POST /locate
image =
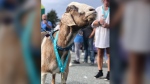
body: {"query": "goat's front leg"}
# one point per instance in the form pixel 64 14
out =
pixel 65 74
pixel 43 77
pixel 63 78
pixel 53 78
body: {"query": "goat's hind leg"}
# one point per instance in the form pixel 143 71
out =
pixel 43 77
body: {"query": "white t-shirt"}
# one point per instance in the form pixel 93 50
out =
pixel 101 34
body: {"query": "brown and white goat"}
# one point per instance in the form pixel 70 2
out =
pixel 77 16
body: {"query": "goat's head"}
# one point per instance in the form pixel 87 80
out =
pixel 78 14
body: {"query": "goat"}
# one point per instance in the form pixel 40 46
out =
pixel 77 16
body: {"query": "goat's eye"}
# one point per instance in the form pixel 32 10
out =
pixel 91 9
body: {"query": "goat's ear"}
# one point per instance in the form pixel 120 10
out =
pixel 67 19
pixel 70 8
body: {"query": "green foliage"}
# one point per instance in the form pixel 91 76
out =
pixel 52 16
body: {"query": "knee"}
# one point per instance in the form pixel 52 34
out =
pixel 108 55
pixel 100 55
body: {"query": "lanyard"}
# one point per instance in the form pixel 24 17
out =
pixel 24 35
pixel 61 66
pixel 105 13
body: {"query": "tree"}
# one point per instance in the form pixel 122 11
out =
pixel 52 16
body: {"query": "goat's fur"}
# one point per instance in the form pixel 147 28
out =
pixel 12 64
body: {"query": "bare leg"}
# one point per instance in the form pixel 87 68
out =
pixel 108 61
pixel 53 78
pixel 136 68
pixel 100 63
pixel 100 58
pixel 43 77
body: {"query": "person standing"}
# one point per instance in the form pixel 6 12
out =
pixel 45 24
pixel 78 43
pixel 88 37
pixel 102 36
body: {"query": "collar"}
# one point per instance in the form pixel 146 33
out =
pixel 58 47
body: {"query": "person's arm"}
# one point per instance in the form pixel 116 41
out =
pixel 118 15
pixel 97 22
pixel 49 25
pixel 92 34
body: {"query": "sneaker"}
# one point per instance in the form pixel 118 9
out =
pixel 107 76
pixel 70 64
pixel 76 62
pixel 99 74
pixel 91 64
pixel 85 62
pixel 82 54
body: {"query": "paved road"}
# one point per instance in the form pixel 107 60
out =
pixel 81 74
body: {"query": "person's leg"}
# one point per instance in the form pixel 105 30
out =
pixel 77 51
pixel 100 54
pixel 73 47
pixel 108 63
pixel 136 68
pixel 91 50
pixel 100 58
pixel 85 51
pixel 108 60
pixel 82 47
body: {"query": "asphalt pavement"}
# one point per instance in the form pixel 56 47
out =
pixel 81 74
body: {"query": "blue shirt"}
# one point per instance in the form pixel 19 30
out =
pixel 44 27
pixel 78 39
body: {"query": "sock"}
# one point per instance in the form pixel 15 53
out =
pixel 100 70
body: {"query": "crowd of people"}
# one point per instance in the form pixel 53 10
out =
pixel 93 39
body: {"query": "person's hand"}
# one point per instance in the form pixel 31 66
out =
pixel 105 25
pixel 90 36
pixel 102 21
pixel 45 21
pixel 96 23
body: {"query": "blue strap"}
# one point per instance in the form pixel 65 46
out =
pixel 61 66
pixel 25 40
pixel 105 13
pixel 58 47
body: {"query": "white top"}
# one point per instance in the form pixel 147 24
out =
pixel 101 34
pixel 136 30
